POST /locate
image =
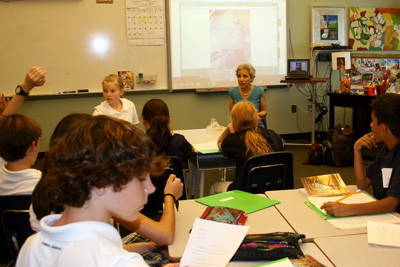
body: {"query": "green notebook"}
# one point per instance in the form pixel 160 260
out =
pixel 238 200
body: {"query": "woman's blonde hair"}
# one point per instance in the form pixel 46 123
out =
pixel 245 119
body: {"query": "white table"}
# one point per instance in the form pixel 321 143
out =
pixel 205 139
pixel 303 219
pixel 354 250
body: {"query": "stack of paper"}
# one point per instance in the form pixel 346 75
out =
pixel 385 234
pixel 350 222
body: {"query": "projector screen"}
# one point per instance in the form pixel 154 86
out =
pixel 208 39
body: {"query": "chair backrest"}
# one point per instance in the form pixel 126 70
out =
pixel 155 201
pixel 16 202
pixel 16 227
pixel 272 171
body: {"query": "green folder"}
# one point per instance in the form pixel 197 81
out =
pixel 272 262
pixel 238 200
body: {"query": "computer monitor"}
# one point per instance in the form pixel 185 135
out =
pixel 298 66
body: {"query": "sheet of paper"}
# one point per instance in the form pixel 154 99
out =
pixel 201 147
pixel 362 221
pixel 357 198
pixel 145 22
pixel 212 243
pixel 385 234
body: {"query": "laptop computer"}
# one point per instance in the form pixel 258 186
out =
pixel 298 69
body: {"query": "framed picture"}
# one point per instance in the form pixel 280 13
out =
pixel 374 29
pixel 328 25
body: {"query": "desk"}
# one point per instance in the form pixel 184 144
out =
pixel 361 111
pixel 354 250
pixel 210 161
pixel 313 81
pixel 262 221
pixel 303 219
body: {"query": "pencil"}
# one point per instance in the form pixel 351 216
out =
pixel 355 192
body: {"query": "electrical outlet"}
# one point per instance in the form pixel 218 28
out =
pixel 294 108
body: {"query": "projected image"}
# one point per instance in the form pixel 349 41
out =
pixel 329 27
pixel 229 38
pixel 210 38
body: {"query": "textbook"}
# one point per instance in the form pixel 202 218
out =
pixel 324 185
pixel 225 215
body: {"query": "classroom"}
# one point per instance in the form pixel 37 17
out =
pixel 17 58
pixel 59 36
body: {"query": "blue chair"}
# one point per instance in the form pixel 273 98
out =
pixel 272 171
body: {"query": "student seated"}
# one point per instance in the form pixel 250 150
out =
pixel 159 234
pixel 244 138
pixel 384 172
pixel 156 120
pixel 114 105
pixel 100 169
pixel 19 148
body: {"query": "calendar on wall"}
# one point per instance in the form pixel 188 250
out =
pixel 145 22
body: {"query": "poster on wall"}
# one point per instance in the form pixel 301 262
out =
pixel 328 25
pixel 374 29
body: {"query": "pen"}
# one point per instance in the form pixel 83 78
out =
pixel 355 192
pixel 176 200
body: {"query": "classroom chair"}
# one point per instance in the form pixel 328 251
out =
pixel 154 206
pixel 272 171
pixel 16 202
pixel 16 227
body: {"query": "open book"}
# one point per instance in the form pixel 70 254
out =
pixel 324 185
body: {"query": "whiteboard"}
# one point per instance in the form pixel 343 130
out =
pixel 60 36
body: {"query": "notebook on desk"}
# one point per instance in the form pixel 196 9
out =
pixel 298 69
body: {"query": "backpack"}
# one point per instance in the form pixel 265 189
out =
pixel 337 147
pixel 315 155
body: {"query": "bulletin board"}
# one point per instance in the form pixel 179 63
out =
pixel 368 68
pixel 78 42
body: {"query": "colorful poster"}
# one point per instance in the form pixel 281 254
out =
pixel 374 29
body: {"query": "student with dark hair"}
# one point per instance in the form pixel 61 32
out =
pixel 384 172
pixel 98 170
pixel 160 233
pixel 156 120
pixel 19 148
pixel 41 206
